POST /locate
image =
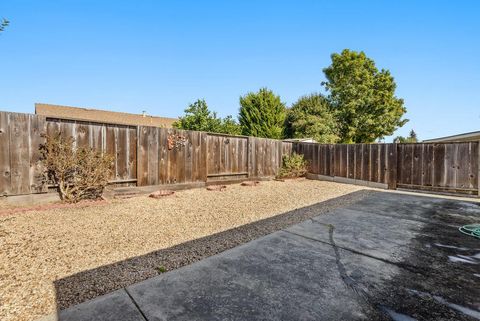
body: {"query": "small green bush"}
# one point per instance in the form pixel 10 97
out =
pixel 293 166
pixel 161 269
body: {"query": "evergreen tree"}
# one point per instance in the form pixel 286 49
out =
pixel 262 114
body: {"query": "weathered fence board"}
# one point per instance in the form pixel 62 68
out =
pixel 20 165
pixel 231 157
pixel 227 156
pixel 450 167
pixel 170 156
pixel 265 156
pixel 4 155
pixel 38 127
pixel 19 128
pixel 439 166
pixel 367 162
pixel 111 139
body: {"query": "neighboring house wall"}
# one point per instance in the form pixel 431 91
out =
pixel 466 137
pixel 101 116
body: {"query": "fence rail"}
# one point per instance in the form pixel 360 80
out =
pixel 153 156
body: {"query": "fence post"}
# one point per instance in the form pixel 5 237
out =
pixel 333 159
pixel 392 164
pixel 478 169
pixel 249 156
pixel 137 156
pixel 204 139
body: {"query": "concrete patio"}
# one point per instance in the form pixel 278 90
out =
pixel 389 256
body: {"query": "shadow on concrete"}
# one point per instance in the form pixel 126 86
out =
pixel 436 271
pixel 92 283
pixel 401 257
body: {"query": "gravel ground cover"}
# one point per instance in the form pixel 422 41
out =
pixel 59 257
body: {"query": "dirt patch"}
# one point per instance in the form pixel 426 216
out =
pixel 42 250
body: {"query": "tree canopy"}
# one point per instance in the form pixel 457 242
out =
pixel 311 117
pixel 411 138
pixel 362 98
pixel 199 117
pixel 360 107
pixel 262 114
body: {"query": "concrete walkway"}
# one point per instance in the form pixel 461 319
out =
pixel 389 256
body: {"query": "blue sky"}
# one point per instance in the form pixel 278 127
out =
pixel 159 56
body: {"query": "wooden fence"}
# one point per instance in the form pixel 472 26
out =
pixel 445 167
pixel 117 140
pixel 183 161
pixel 442 167
pixel 143 155
pixel 155 156
pixel 20 166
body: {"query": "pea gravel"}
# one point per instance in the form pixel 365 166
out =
pixel 53 259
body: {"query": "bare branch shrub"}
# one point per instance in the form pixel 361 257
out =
pixel 293 166
pixel 79 173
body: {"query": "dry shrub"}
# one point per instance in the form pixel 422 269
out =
pixel 293 166
pixel 79 173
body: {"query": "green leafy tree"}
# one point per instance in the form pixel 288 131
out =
pixel 411 138
pixel 229 126
pixel 4 23
pixel 362 97
pixel 262 114
pixel 199 117
pixel 311 117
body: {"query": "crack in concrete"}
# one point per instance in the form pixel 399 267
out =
pixel 350 282
pixel 136 304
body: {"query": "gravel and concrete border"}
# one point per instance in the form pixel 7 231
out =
pixel 57 258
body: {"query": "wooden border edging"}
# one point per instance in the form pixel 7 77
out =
pixel 228 174
pixel 345 180
pixel 152 188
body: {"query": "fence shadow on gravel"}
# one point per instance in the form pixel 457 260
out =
pixel 89 284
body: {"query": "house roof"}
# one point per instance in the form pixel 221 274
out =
pixel 101 116
pixel 471 136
